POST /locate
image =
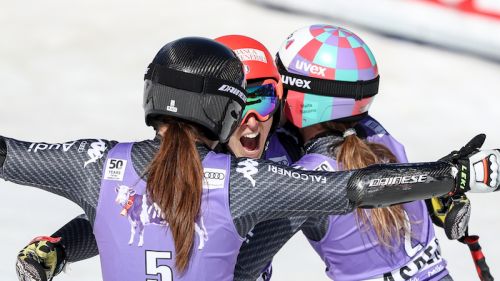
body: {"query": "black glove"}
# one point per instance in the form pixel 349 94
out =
pixel 41 260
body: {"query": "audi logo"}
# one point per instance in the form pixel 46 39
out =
pixel 214 175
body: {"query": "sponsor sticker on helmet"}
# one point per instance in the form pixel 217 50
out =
pixel 311 68
pixel 310 112
pixel 213 178
pixel 234 91
pixel 172 107
pixel 251 54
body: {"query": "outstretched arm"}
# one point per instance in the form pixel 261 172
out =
pixel 71 169
pixel 77 239
pixel 45 257
pixel 262 190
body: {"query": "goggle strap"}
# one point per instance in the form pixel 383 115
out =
pixel 195 83
pixel 332 88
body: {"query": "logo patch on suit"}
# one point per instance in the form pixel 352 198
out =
pixel 115 169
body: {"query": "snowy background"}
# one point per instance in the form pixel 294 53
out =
pixel 74 69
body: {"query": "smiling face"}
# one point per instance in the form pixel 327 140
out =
pixel 250 137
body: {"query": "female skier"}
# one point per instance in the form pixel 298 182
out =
pixel 330 78
pixel 391 243
pixel 197 213
pixel 75 241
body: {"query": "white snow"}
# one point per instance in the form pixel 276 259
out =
pixel 74 69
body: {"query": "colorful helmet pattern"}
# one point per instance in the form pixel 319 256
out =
pixel 330 74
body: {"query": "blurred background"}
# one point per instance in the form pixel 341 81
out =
pixel 74 69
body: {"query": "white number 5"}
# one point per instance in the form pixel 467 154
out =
pixel 163 272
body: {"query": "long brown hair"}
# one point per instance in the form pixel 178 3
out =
pixel 390 223
pixel 174 183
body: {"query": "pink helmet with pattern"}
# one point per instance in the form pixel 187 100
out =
pixel 329 73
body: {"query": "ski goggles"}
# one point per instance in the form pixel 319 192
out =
pixel 262 101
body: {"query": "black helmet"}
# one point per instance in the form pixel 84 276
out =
pixel 197 80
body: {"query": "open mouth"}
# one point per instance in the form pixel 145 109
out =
pixel 251 141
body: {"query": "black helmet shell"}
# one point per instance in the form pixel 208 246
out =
pixel 198 80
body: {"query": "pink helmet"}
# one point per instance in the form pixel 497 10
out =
pixel 329 74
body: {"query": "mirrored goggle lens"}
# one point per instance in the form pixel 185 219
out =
pixel 262 100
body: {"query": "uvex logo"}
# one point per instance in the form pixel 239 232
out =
pixel 292 81
pixel 311 68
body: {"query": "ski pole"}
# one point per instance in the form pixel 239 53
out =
pixel 477 255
